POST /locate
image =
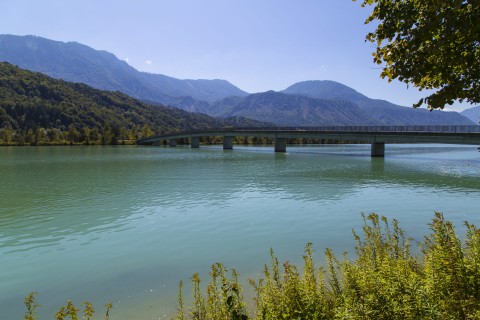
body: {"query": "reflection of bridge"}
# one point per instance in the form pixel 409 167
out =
pixel 376 136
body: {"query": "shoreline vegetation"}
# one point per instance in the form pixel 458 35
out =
pixel 87 136
pixel 391 277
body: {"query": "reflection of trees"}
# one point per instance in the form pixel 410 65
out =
pixel 57 192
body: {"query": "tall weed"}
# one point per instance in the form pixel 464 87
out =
pixel 386 279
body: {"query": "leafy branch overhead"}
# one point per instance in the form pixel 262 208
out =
pixel 431 44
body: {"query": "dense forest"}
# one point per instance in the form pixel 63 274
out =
pixel 36 109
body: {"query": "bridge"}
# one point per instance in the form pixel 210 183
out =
pixel 377 136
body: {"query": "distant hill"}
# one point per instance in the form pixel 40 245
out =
pixel 292 110
pixel 76 62
pixel 317 103
pixel 383 111
pixel 33 104
pixel 472 114
pixel 329 102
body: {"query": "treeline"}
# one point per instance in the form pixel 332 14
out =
pixel 87 136
pixel 239 140
pixel 36 109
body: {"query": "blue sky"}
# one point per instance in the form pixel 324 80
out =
pixel 257 45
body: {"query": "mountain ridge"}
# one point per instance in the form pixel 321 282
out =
pixel 385 112
pixel 75 62
pixel 292 110
pixel 472 114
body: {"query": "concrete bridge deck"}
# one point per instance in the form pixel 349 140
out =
pixel 377 136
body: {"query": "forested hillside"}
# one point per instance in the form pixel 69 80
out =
pixel 37 109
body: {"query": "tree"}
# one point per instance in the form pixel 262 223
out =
pixel 107 135
pixel 85 135
pixel 94 135
pixel 146 131
pixel 40 135
pixel 73 134
pixel 6 136
pixel 30 137
pixel 54 135
pixel 431 44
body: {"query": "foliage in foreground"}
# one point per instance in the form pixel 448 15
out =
pixel 68 311
pixel 386 280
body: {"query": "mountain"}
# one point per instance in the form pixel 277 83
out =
pixel 76 62
pixel 33 105
pixel 292 110
pixel 472 114
pixel 318 103
pixel 383 111
pixel 189 104
pixel 329 102
pixel 325 89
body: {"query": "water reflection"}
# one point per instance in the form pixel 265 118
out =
pixel 108 219
pixel 52 194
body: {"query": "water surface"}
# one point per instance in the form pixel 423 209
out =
pixel 125 224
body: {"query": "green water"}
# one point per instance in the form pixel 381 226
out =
pixel 125 224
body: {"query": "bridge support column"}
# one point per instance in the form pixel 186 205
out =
pixel 227 143
pixel 195 142
pixel 378 149
pixel 280 145
pixel 172 142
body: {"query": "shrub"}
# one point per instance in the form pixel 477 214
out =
pixel 387 279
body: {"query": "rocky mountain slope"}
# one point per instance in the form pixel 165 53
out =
pixel 293 110
pixel 76 62
pixel 383 111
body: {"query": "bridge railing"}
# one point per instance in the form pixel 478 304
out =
pixel 439 129
pixel 326 129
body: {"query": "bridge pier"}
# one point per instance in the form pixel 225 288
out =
pixel 227 143
pixel 378 149
pixel 280 145
pixel 195 142
pixel 172 142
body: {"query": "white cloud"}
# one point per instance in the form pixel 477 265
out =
pixel 148 62
pixel 126 60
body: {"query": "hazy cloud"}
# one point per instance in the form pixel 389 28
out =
pixel 148 62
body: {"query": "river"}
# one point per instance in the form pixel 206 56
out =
pixel 125 224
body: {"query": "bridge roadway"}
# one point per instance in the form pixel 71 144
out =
pixel 377 136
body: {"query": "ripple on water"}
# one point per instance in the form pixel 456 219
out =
pixel 118 222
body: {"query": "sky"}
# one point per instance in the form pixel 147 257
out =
pixel 257 45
